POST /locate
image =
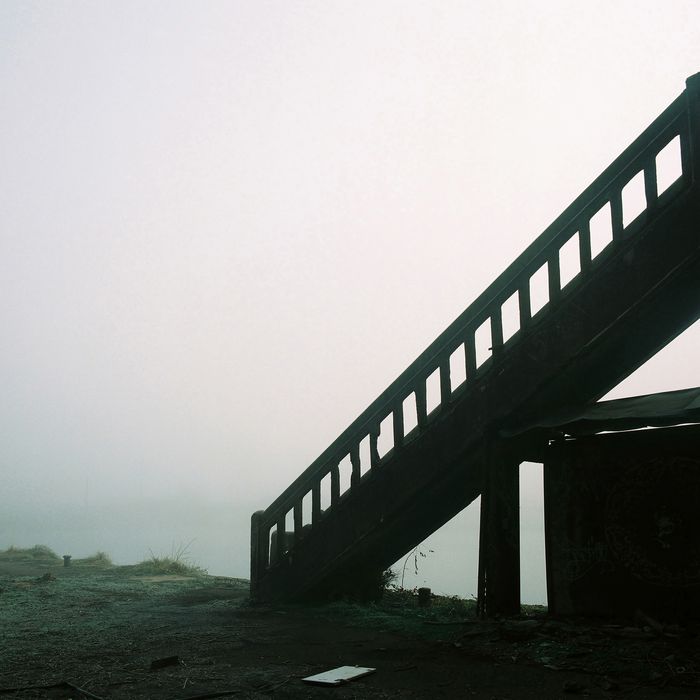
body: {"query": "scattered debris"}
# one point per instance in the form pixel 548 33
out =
pixel 647 622
pixel 215 694
pixel 447 622
pixel 406 667
pixel 166 661
pixel 338 676
pixel 629 632
pixel 519 630
pixel 81 692
pixel 573 687
pixel 609 685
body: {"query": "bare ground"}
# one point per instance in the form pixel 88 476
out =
pixel 96 632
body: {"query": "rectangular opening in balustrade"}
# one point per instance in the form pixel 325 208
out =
pixel 410 414
pixel 634 199
pixel 569 260
pixel 432 391
pixel 385 442
pixel 306 509
pixel 326 492
pixel 668 165
pixel 458 367
pixel 539 290
pixel 272 544
pixel 365 455
pixel 510 315
pixel 345 471
pixel 289 530
pixel 287 535
pixel 482 341
pixel 601 230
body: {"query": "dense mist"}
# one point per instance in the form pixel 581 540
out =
pixel 225 228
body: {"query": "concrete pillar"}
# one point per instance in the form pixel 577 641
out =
pixel 499 545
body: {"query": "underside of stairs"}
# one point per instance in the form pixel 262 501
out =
pixel 627 301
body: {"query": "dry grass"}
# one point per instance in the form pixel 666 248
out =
pixel 177 563
pixel 164 566
pixel 98 559
pixel 37 553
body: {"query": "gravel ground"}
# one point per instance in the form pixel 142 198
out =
pixel 106 632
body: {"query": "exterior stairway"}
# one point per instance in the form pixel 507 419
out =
pixel 628 300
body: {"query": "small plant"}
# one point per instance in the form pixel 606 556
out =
pixel 388 579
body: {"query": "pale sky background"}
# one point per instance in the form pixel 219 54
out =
pixel 226 227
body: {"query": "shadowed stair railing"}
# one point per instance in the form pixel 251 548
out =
pixel 631 255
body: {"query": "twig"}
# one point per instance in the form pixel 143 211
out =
pixel 215 694
pixel 272 688
pixel 81 691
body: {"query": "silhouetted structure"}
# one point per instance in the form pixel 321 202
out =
pixel 622 523
pixel 628 300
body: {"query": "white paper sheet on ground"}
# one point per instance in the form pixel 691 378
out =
pixel 339 675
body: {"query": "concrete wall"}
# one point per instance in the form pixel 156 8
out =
pixel 622 522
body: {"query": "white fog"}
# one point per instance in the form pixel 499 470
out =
pixel 226 227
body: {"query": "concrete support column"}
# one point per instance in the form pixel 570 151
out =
pixel 499 545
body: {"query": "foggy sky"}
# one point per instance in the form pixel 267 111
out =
pixel 226 227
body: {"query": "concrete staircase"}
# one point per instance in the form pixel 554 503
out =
pixel 629 298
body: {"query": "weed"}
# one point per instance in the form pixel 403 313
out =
pixel 414 554
pixel 388 579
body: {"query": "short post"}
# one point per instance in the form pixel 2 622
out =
pixel 424 599
pixel 66 559
pixel 259 552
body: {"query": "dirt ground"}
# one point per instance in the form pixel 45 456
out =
pixel 82 632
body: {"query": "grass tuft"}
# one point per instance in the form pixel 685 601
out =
pixel 166 566
pixel 39 552
pixel 176 564
pixel 98 559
